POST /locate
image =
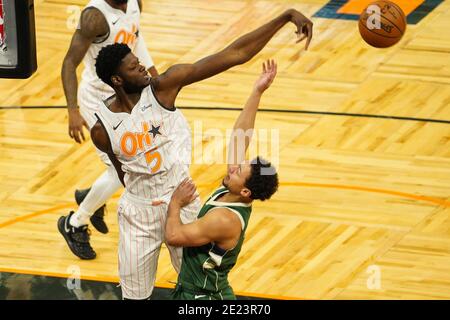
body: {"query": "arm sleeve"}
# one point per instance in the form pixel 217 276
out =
pixel 142 53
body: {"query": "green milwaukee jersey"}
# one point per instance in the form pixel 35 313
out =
pixel 204 270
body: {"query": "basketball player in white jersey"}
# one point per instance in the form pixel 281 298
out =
pixel 102 22
pixel 148 140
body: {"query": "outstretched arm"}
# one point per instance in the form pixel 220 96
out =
pixel 243 127
pixel 240 51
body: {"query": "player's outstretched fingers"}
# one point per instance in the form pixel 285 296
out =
pixel 82 134
pixel 309 28
pixel 76 135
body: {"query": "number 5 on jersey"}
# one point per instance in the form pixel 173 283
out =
pixel 151 156
pixel 131 142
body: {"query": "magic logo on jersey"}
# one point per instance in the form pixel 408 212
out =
pixel 415 10
pixel 134 143
pixel 127 37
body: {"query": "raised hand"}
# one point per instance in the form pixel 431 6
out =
pixel 304 27
pixel 267 76
pixel 76 124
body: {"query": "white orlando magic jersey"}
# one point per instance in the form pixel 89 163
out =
pixel 123 28
pixel 153 144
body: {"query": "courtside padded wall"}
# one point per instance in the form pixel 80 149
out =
pixel 26 42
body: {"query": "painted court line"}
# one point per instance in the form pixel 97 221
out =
pixel 434 200
pixel 298 111
pixel 441 202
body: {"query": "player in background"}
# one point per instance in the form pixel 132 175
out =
pixel 102 22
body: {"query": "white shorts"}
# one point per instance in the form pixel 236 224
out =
pixel 141 234
pixel 90 99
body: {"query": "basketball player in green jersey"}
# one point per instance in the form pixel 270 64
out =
pixel 212 243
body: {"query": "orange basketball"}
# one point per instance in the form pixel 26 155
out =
pixel 382 24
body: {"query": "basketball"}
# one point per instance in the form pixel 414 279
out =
pixel 382 24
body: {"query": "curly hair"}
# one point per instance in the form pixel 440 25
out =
pixel 263 180
pixel 109 59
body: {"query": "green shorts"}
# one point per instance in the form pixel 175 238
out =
pixel 187 292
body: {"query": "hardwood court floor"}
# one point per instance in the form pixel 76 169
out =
pixel 356 191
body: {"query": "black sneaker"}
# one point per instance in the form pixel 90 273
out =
pixel 77 238
pixel 97 218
